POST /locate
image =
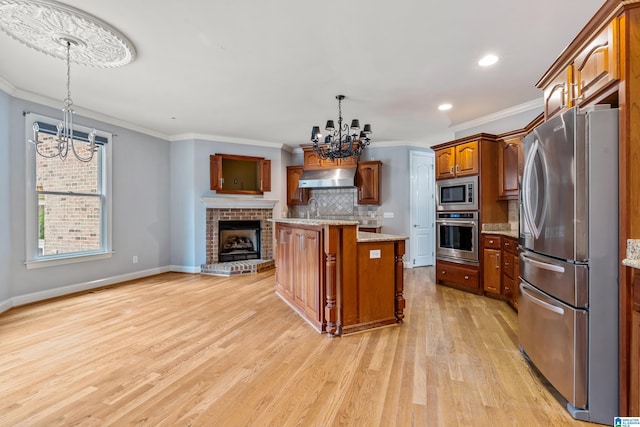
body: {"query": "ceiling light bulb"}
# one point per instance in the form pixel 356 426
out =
pixel 488 60
pixel 445 107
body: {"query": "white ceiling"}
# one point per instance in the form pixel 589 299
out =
pixel 269 70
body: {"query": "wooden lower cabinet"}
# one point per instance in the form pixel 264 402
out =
pixel 634 372
pixel 338 282
pixel 298 270
pixel 500 266
pixel 634 351
pixel 461 276
pixel 492 276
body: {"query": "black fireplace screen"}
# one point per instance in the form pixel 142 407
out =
pixel 238 240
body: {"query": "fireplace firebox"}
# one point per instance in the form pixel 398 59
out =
pixel 238 240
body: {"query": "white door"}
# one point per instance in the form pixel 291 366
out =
pixel 422 236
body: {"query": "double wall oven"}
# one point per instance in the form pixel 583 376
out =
pixel 457 220
pixel 457 236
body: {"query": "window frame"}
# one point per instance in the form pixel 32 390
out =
pixel 32 226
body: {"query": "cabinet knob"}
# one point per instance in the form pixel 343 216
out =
pixel 444 272
pixel 466 277
pixel 491 242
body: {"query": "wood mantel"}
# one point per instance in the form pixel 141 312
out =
pixel 340 281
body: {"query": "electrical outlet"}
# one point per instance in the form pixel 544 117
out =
pixel 387 215
pixel 135 259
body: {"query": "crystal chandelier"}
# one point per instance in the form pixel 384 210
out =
pixel 343 141
pixel 64 135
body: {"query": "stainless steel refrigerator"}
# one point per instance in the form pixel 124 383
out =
pixel 568 306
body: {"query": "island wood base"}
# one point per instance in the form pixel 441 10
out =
pixel 338 280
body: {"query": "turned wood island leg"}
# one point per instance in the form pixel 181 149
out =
pixel 399 281
pixel 331 237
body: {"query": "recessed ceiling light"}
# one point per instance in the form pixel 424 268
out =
pixel 445 107
pixel 488 60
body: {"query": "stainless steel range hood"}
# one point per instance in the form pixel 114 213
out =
pixel 328 178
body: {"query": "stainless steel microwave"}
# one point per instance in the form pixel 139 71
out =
pixel 457 194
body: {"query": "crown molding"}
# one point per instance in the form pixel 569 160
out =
pixel 228 139
pixel 527 106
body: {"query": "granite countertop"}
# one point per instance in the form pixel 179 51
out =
pixel 364 237
pixel 502 229
pixel 508 233
pixel 314 221
pixel 633 254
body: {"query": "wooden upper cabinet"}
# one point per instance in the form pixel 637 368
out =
pixel 467 159
pixel 445 163
pixel 368 182
pixel 597 64
pixel 557 94
pixel 232 174
pixel 295 194
pixel 313 161
pixel 508 156
pixel 458 160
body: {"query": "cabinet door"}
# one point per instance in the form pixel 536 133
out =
pixel 467 159
pixel 310 266
pixel 445 163
pixel 597 64
pixel 264 174
pixel 492 271
pixel 215 172
pixel 634 371
pixel 557 96
pixel 515 296
pixel 508 169
pixel 284 266
pixel 295 194
pixel 368 183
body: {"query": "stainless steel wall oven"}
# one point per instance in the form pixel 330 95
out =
pixel 457 236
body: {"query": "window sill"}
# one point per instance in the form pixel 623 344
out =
pixel 70 259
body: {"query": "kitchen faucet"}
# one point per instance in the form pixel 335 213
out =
pixel 309 210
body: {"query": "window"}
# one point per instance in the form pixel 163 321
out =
pixel 68 201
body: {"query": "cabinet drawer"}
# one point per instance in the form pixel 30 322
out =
pixel 491 242
pixel 457 274
pixel 507 286
pixel 507 265
pixel 510 245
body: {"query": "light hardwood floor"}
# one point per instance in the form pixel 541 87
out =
pixel 194 350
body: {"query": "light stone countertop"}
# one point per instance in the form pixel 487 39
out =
pixel 314 221
pixel 364 237
pixel 502 229
pixel 509 233
pixel 633 254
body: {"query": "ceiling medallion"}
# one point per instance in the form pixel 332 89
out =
pixel 47 26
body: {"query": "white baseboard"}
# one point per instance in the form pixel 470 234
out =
pixel 79 287
pixel 5 305
pixel 184 269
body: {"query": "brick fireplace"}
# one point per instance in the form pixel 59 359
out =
pixel 238 209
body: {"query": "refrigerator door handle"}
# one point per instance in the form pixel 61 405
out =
pixel 543 265
pixel 535 300
pixel 526 184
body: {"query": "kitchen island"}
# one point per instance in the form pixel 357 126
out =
pixel 338 279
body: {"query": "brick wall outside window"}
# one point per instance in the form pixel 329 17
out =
pixel 71 221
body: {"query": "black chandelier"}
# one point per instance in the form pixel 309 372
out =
pixel 345 141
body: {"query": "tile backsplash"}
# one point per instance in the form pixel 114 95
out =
pixel 337 203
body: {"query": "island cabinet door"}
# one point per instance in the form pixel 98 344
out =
pixel 307 269
pixel 284 264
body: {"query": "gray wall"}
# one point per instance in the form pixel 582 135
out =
pixel 190 182
pixel 141 216
pixel 5 205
